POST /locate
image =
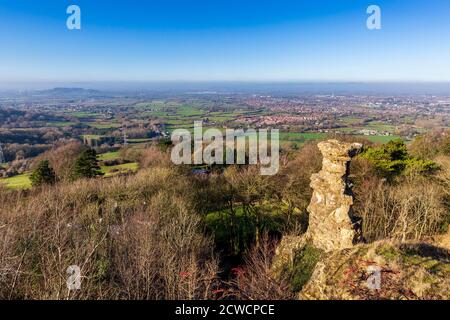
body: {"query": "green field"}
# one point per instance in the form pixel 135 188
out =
pixel 83 114
pixel 103 125
pixel 139 140
pixel 21 181
pixel 60 124
pixel 110 171
pixel 300 138
pixel 351 120
pixel 293 136
pixel 189 111
pixel 380 126
pixel 91 136
pixel 108 156
pixel 380 139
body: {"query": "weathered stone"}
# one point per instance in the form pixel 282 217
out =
pixel 331 223
pixel 410 271
pixel 345 270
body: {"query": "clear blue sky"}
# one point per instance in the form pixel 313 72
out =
pixel 225 40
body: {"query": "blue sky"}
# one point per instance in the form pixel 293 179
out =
pixel 236 40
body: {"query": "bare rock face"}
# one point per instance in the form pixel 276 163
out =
pixel 331 224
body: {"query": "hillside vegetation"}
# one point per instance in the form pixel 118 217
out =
pixel 165 232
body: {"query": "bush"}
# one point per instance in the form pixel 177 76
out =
pixel 296 176
pixel 234 232
pixel 153 156
pixel 431 145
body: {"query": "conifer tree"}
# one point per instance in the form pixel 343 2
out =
pixel 43 174
pixel 86 166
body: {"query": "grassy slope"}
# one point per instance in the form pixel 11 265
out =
pixel 121 168
pixel 21 181
pixel 108 156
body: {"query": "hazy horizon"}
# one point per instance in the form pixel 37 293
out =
pixel 247 87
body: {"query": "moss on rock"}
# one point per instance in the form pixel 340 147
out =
pixel 305 260
pixel 408 271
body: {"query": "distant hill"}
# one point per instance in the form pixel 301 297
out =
pixel 70 92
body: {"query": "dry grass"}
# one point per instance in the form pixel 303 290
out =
pixel 141 237
pixel 133 237
pixel 255 281
pixel 409 210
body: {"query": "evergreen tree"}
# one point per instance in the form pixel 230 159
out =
pixel 392 159
pixel 86 165
pixel 43 174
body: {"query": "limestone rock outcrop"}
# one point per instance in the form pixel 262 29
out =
pixel 331 224
pixel 327 262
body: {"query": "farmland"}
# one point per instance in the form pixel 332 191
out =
pixel 109 124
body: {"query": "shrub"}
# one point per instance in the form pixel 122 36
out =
pixel 431 144
pixel 295 178
pixel 234 232
pixel 153 156
pixel 62 159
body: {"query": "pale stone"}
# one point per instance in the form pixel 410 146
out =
pixel 331 224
